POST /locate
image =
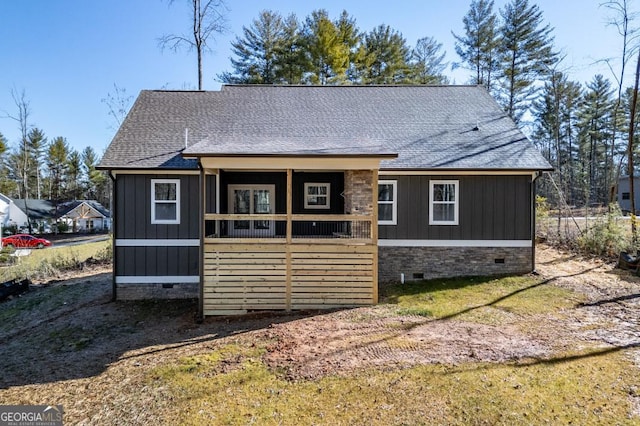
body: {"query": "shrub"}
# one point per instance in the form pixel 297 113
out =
pixel 606 237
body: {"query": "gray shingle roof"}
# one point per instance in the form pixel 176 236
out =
pixel 429 127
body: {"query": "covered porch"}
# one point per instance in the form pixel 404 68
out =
pixel 288 233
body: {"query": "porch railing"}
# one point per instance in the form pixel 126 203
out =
pixel 296 228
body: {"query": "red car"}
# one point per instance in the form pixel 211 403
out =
pixel 24 240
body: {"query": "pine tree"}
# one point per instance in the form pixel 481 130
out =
pixel 555 131
pixel 256 53
pixel 57 154
pixel 36 143
pixel 73 175
pixel 427 61
pixel 291 61
pixel 327 54
pixel 526 55
pixel 386 57
pixel 595 123
pixel 7 186
pixel 478 47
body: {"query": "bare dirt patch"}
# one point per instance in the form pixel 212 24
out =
pixel 70 344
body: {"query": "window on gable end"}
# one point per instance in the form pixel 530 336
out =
pixel 165 201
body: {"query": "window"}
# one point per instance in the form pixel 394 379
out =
pixel 443 202
pixel 387 204
pixel 317 195
pixel 165 201
pixel 626 196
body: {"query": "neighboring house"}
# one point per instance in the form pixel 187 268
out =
pixel 296 197
pixel 84 216
pixel 5 203
pixel 624 193
pixel 40 212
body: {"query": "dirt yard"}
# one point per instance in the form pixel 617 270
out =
pixel 70 344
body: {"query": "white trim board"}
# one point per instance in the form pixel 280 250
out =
pixel 125 242
pixel 117 172
pixel 383 173
pixel 168 279
pixel 454 243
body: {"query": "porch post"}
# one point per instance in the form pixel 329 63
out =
pixel 289 239
pixel 374 232
pixel 201 211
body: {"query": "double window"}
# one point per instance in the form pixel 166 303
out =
pixel 387 202
pixel 317 195
pixel 443 202
pixel 165 201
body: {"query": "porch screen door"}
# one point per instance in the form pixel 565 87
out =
pixel 251 199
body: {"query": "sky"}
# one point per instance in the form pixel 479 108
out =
pixel 67 55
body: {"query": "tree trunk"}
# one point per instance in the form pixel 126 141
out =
pixel 632 125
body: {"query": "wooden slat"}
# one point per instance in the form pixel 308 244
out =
pixel 237 216
pixel 211 279
pixel 244 255
pixel 308 255
pixel 233 247
pixel 352 273
pixel 330 248
pixel 303 278
pixel 223 312
pixel 320 286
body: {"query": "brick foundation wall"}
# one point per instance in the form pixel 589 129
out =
pixel 443 262
pixel 157 291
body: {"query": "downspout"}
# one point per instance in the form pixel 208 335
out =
pixel 201 210
pixel 114 199
pixel 533 221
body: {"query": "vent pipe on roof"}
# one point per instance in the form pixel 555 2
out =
pixel 186 137
pixel 475 129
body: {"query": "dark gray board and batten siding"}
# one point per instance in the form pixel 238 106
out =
pixel 491 208
pixel 133 206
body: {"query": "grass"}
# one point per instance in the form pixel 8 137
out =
pixel 479 299
pixel 233 386
pixel 51 261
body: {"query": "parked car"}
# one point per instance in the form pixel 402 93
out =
pixel 25 241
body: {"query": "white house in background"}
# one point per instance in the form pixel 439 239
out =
pixel 624 193
pixel 5 203
pixel 84 216
pixel 40 212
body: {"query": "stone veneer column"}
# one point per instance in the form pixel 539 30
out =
pixel 358 198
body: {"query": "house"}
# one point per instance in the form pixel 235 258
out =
pixel 39 213
pixel 84 216
pixel 304 197
pixel 624 193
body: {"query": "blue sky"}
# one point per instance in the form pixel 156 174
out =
pixel 67 54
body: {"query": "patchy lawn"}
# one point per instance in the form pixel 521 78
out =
pixel 559 347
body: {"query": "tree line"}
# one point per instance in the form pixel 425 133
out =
pixel 42 168
pixel 580 128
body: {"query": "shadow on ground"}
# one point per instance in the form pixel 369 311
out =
pixel 74 330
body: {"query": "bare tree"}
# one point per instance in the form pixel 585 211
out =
pixel 118 104
pixel 209 18
pixel 632 128
pixel 22 118
pixel 621 20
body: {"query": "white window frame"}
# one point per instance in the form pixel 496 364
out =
pixel 155 221
pixel 307 185
pixel 456 202
pixel 394 203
